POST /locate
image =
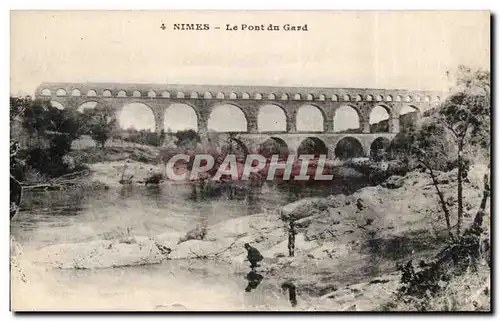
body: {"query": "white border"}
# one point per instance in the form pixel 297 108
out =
pixel 189 4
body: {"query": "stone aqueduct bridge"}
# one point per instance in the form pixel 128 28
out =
pixel 204 98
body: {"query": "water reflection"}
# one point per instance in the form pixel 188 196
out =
pixel 292 292
pixel 254 280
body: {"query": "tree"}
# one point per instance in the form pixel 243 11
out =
pixel 100 124
pixel 451 134
pixel 50 132
pixel 188 138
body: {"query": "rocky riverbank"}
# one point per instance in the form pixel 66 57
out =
pixel 347 247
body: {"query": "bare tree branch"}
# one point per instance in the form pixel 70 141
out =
pixel 441 198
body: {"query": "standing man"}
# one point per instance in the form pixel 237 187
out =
pixel 291 238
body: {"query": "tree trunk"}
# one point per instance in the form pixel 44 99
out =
pixel 460 190
pixel 441 200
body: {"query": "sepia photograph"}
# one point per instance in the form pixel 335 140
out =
pixel 261 161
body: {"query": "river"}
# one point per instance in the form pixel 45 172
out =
pixel 48 218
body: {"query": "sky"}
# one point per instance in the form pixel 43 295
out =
pixel 387 49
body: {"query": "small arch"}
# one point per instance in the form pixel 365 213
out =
pixel 136 93
pixel 194 95
pixel 61 92
pixel 297 97
pixel 380 97
pixel 388 98
pixel 437 99
pixel 165 94
pixel 219 96
pixel 348 147
pixel 407 98
pixel 245 96
pixel 310 119
pixel 151 94
pixel 359 97
pixel 284 97
pixel 56 104
pixel 46 92
pixel 274 146
pixel 121 93
pixel 91 93
pixel 106 93
pixel 427 99
pixel 271 118
pixel 271 96
pixel 180 94
pixel 233 95
pixel 369 98
pixel 207 95
pixel 312 146
pixel 399 98
pixel 346 97
pixel 418 99
pixel 310 97
pixel 322 97
pixel 379 147
pixel 76 93
pixel 258 96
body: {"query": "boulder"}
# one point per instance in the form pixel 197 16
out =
pixel 169 239
pixel 339 200
pixel 303 208
pixel 242 226
pixel 393 182
pixel 197 233
pixel 102 254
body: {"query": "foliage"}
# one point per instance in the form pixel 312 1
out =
pixel 47 133
pixel 450 135
pixel 99 123
pixel 188 138
pixel 143 137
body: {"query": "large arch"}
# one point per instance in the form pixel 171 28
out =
pixel 221 114
pixel 409 116
pixel 180 116
pixel 138 116
pixel 379 119
pixel 274 146
pixel 312 146
pixel 233 146
pixel 86 105
pixel 378 147
pixel 310 118
pixel 407 109
pixel 348 147
pixel 56 104
pixel 271 118
pixel 346 119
